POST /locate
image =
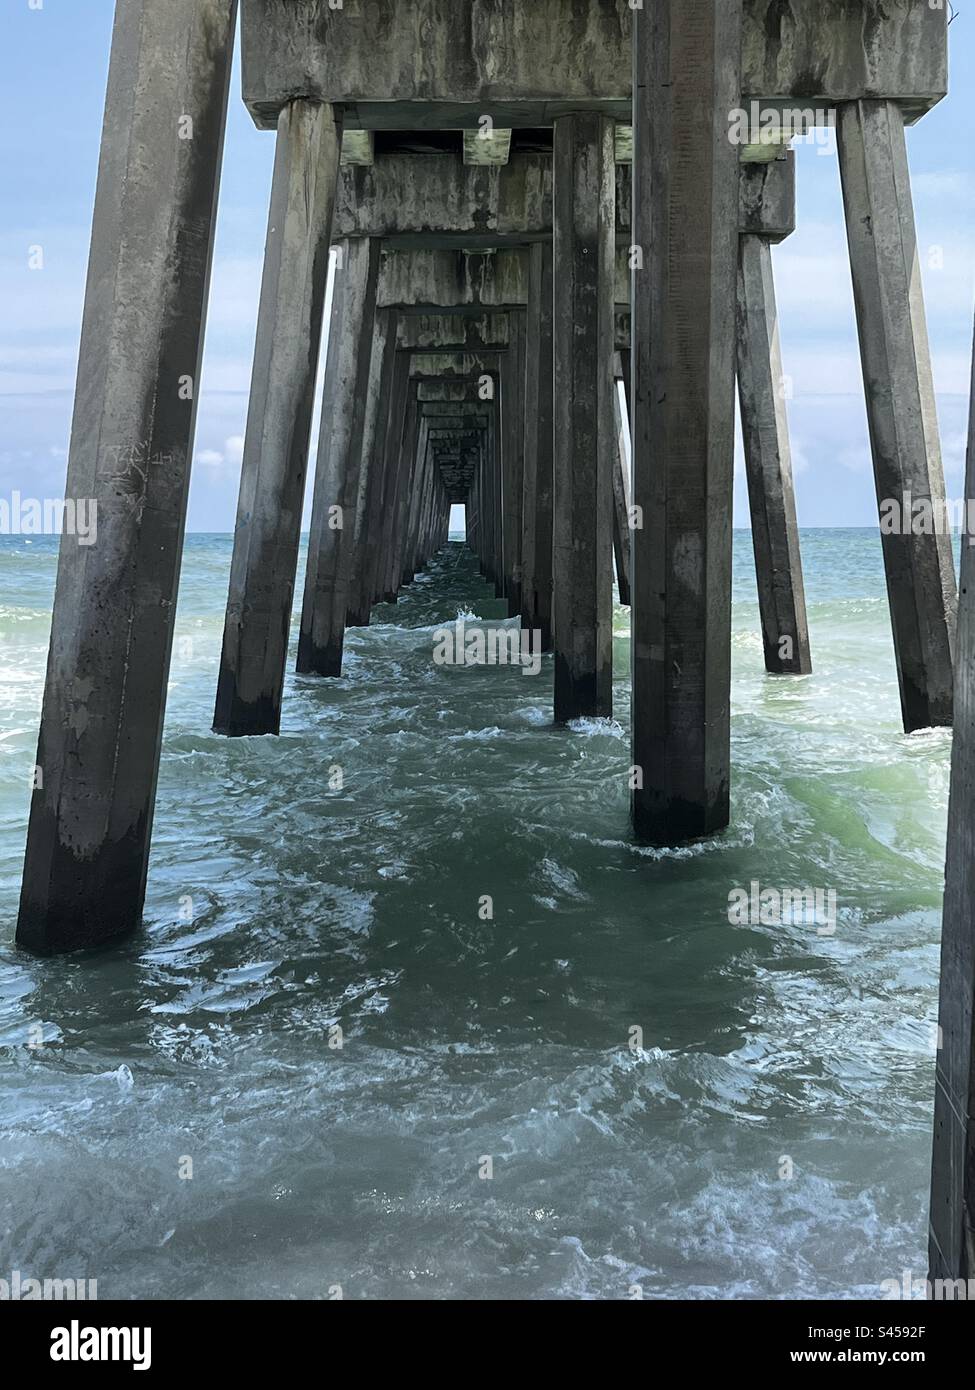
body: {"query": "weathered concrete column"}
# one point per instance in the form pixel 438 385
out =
pixel 584 249
pixel 536 544
pixel 473 504
pixel 495 503
pixel 685 205
pixel 411 435
pixel 621 489
pixel 371 474
pixel 428 467
pixel 272 486
pixel 332 534
pixel 513 458
pixel 480 484
pixel 483 516
pixel 497 483
pixel 393 465
pixel 489 511
pixel 952 1229
pixel 479 541
pixel 768 465
pixel 416 501
pixel 900 400
pixel 131 440
pixel 429 510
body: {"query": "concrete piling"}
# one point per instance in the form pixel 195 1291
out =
pixel 372 468
pixel 335 499
pixel 685 215
pixel 901 408
pixel 420 466
pixel 393 456
pixel 536 542
pixel 584 251
pixel 138 385
pixel 410 439
pixel 272 488
pixel 513 460
pixel 767 215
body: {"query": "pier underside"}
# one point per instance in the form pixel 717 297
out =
pixel 551 270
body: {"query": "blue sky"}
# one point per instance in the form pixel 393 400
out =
pixel 54 64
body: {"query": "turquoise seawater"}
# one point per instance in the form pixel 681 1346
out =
pixel 771 1137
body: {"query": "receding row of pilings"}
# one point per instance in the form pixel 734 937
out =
pixel 519 268
pixel 556 545
pixel 408 427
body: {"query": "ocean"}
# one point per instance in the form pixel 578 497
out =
pixel 327 1067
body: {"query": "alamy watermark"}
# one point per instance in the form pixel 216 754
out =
pixel 20 1288
pixel 938 1290
pixel 49 516
pixel 463 645
pixel 756 906
pixel 77 1343
pixel 908 515
pixel 779 126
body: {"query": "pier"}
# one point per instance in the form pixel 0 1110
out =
pixel 552 273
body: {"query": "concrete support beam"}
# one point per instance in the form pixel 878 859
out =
pixel 272 488
pixel 421 201
pixel 900 400
pixel 536 563
pixel 447 63
pixel 584 258
pixel 434 202
pixel 131 441
pixel 392 480
pixel 513 459
pixel 332 533
pixel 496 570
pixel 475 509
pixel 685 203
pixel 453 280
pixel 472 332
pixel 432 511
pixel 768 465
pixel 458 364
pixel 372 474
pixel 448 390
pixel 420 466
pixel 411 434
pixel 426 484
pixel 952 1230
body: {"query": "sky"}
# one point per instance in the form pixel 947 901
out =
pixel 54 65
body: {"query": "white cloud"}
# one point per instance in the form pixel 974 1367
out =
pixel 234 447
pixel 231 454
